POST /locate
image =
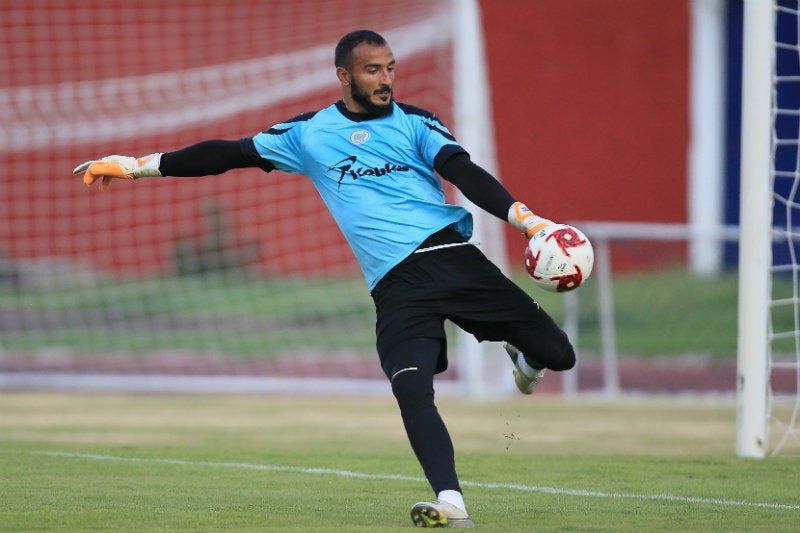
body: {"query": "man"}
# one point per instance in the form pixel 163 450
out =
pixel 372 160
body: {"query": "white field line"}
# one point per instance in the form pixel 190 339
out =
pixel 391 477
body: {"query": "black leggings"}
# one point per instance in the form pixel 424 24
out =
pixel 412 386
pixel 412 303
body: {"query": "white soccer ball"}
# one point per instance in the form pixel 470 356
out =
pixel 559 258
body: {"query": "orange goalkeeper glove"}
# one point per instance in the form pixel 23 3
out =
pixel 118 166
pixel 524 220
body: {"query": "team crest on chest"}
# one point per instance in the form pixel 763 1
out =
pixel 359 137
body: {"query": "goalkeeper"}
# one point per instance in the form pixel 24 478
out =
pixel 374 162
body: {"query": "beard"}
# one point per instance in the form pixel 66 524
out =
pixel 363 99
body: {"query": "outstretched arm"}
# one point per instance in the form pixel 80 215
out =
pixel 209 158
pixel 205 158
pixel 483 189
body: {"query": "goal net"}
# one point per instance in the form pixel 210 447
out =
pixel 769 304
pixel 190 277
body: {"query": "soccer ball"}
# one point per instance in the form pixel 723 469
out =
pixel 559 258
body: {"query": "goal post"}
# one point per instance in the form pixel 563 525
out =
pixel 769 252
pixel 756 221
pixel 473 122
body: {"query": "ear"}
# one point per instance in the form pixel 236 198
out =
pixel 343 75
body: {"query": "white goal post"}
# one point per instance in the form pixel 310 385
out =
pixel 756 220
pixel 473 121
pixel 764 106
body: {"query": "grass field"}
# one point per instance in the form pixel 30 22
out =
pixel 262 463
pixel 260 317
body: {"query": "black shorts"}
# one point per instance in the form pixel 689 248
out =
pixel 459 283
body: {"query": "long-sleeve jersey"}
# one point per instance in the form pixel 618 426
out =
pixel 376 175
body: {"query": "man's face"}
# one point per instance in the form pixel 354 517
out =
pixel 371 77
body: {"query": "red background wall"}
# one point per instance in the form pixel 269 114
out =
pixel 590 106
pixel 589 99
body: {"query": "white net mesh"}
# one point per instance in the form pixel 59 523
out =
pixel 784 331
pixel 193 275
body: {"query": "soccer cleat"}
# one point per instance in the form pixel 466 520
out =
pixel 440 514
pixel 525 384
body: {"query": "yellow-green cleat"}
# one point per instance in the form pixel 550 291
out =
pixel 440 514
pixel 525 383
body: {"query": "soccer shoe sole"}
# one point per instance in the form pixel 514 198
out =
pixel 429 515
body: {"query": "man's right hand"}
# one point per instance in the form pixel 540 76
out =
pixel 118 166
pixel 524 220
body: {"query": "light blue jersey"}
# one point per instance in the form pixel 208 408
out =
pixel 375 176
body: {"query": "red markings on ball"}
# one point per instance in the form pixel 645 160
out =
pixel 566 238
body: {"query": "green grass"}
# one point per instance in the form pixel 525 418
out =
pixel 664 313
pixel 219 314
pixel 264 463
pixel 656 314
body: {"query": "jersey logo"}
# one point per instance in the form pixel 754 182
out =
pixel 347 168
pixel 359 137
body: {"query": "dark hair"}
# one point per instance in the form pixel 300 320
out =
pixel 344 48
